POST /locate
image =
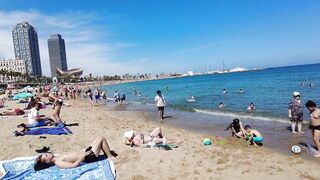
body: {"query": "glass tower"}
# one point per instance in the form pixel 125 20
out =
pixel 57 54
pixel 26 47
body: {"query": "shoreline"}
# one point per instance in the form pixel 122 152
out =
pixel 277 135
pixel 191 160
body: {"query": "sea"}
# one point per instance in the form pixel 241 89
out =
pixel 269 89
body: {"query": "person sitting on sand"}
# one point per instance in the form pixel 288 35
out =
pixel 237 128
pixel 139 140
pixel 221 105
pixel 314 124
pixel 73 159
pixel 253 135
pixel 251 107
pixel 35 120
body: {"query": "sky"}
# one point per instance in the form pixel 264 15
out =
pixel 166 36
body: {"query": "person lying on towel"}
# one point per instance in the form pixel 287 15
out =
pixel 155 137
pixel 73 159
pixel 12 112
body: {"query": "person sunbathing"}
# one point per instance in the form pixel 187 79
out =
pixel 12 112
pixel 140 140
pixel 73 159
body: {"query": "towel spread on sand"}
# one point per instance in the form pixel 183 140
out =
pixel 22 168
pixel 50 131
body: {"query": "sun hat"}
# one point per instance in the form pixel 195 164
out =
pixel 128 134
pixel 296 93
pixel 127 137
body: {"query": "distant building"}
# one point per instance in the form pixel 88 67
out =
pixel 26 47
pixel 57 54
pixel 12 66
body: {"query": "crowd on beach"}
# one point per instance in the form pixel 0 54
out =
pixel 56 95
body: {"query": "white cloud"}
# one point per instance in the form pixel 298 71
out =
pixel 85 47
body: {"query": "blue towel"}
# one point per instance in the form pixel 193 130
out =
pixel 51 131
pixel 23 169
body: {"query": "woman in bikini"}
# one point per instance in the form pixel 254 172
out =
pixel 57 104
pixel 73 159
pixel 139 140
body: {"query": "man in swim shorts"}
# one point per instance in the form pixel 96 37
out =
pixel 314 124
pixel 73 159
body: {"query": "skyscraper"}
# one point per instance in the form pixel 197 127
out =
pixel 57 54
pixel 26 47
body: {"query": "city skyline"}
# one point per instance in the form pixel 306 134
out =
pixel 142 37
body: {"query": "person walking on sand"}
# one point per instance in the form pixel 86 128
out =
pixel 295 112
pixel 314 124
pixel 160 103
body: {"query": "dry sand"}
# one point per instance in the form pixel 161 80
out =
pixel 192 160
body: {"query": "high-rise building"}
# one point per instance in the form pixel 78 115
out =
pixel 57 54
pixel 26 47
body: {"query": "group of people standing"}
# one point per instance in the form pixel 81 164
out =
pixel 295 114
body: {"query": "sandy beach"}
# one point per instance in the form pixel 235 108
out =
pixel 231 160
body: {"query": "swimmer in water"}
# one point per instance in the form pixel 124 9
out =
pixel 224 91
pixel 251 107
pixel 240 91
pixel 191 99
pixel 222 105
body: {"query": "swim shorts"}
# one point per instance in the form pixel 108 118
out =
pixel 91 157
pixel 257 139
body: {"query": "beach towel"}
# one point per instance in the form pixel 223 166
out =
pixel 22 168
pixel 50 131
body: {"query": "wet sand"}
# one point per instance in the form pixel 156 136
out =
pixel 232 160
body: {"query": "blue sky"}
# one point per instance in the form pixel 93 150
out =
pixel 135 36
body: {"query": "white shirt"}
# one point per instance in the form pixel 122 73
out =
pixel 160 101
pixel 32 116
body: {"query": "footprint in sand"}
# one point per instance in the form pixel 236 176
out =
pixel 138 177
pixel 128 156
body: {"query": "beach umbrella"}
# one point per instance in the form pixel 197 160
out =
pixel 22 96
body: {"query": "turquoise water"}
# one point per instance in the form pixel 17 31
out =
pixel 269 89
